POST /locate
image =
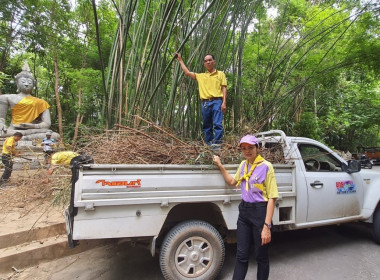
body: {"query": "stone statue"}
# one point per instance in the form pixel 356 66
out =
pixel 29 115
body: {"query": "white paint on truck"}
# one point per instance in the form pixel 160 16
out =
pixel 157 203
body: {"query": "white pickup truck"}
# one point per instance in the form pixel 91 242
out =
pixel 188 212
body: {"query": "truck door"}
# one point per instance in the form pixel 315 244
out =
pixel 332 193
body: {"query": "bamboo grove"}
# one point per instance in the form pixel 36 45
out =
pixel 306 67
pixel 145 80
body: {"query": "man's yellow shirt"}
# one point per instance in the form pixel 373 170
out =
pixel 9 142
pixel 210 84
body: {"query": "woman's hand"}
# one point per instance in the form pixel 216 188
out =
pixel 216 160
pixel 227 177
pixel 265 235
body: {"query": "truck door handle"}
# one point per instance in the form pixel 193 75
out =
pixel 316 184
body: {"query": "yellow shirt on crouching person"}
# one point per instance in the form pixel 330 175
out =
pixel 63 158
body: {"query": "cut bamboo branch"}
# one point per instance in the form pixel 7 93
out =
pixel 160 129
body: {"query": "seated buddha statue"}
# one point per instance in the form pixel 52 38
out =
pixel 29 115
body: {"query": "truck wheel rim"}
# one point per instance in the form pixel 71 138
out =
pixel 194 257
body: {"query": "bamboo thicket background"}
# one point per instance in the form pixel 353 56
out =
pixel 278 69
pixel 308 67
pixel 144 77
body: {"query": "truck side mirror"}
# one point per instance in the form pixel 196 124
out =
pixel 352 166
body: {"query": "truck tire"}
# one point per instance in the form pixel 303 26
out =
pixel 192 250
pixel 376 225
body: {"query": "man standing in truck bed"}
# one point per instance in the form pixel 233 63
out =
pixel 213 91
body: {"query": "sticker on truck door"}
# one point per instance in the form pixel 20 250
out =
pixel 345 187
pixel 128 184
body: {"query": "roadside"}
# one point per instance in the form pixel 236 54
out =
pixel 329 253
pixel 30 206
pixel 27 201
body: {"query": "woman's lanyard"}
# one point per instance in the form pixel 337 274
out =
pixel 259 159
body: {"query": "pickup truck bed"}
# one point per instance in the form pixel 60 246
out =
pixel 143 195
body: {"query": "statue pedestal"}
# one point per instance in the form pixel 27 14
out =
pixel 32 157
pixel 27 143
pixel 35 137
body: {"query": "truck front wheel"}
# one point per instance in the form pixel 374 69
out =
pixel 376 225
pixel 192 250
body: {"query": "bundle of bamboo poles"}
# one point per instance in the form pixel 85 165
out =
pixel 154 145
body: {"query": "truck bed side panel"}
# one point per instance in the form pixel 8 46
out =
pixel 134 200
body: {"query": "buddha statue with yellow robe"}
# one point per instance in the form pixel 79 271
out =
pixel 29 115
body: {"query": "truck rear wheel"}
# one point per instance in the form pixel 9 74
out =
pixel 192 250
pixel 376 225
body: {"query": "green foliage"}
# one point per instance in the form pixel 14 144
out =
pixel 307 126
pixel 88 82
pixel 312 70
pixel 3 77
pixel 354 120
pixel 299 66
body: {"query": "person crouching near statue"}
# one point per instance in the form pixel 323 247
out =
pixel 61 159
pixel 9 152
pixel 256 179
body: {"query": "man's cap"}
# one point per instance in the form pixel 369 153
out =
pixel 48 132
pixel 249 139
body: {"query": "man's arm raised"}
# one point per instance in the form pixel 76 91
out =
pixel 184 68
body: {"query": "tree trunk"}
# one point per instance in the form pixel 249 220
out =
pixel 59 108
pixel 121 70
pixel 79 117
pixel 101 60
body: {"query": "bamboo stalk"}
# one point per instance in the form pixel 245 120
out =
pixel 136 130
pixel 162 130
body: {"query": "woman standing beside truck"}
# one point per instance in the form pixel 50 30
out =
pixel 256 179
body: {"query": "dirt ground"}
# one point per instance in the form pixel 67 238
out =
pixel 33 199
